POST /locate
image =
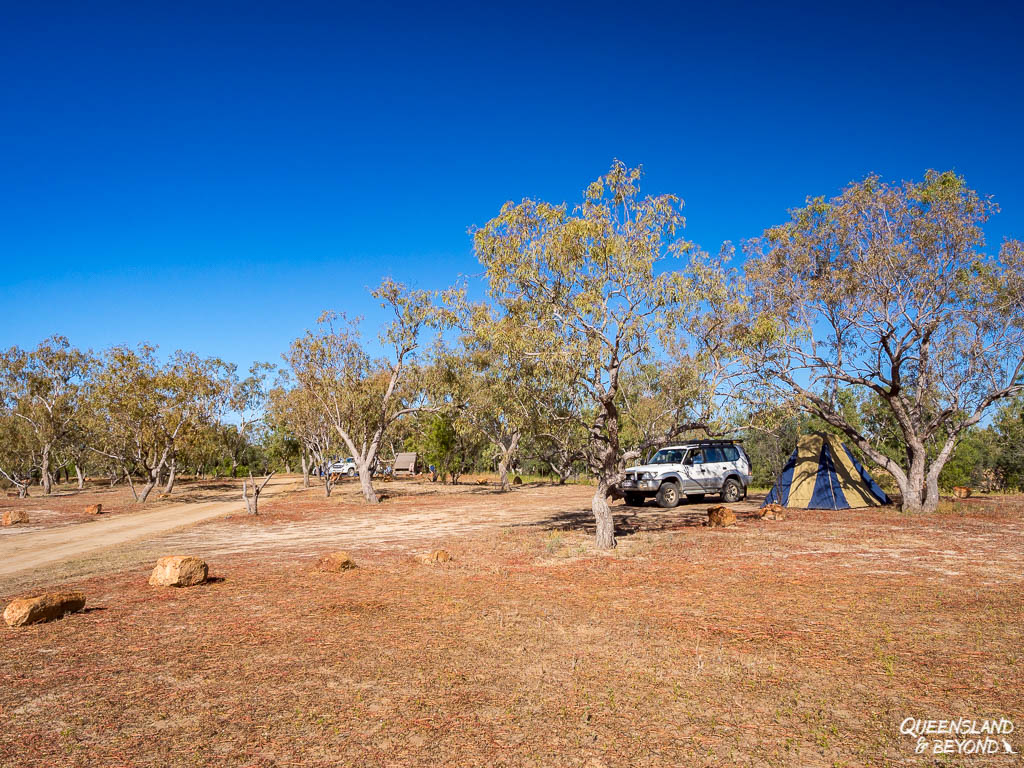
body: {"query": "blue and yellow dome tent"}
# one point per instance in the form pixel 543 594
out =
pixel 822 473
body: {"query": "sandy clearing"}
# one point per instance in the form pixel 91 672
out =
pixel 34 550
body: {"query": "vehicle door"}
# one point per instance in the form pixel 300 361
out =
pixel 698 472
pixel 716 467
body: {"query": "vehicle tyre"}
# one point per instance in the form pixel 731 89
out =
pixel 351 471
pixel 695 497
pixel 732 491
pixel 634 499
pixel 668 495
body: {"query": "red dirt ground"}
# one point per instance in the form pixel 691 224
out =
pixel 803 642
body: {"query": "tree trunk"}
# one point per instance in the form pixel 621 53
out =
pixel 151 482
pixel 603 516
pixel 234 467
pixel 147 489
pixel 46 480
pixel 913 489
pixel 503 470
pixel 170 476
pixel 131 484
pixel 366 482
pixel 81 480
pixel 305 471
pixel 508 454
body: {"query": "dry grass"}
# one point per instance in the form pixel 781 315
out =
pixel 804 642
pixel 66 505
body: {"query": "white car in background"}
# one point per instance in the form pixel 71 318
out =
pixel 346 467
pixel 692 471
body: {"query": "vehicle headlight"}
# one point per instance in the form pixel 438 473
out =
pixel 647 476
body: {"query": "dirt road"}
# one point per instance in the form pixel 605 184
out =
pixel 35 550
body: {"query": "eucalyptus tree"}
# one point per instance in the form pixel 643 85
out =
pixel 246 400
pixel 43 388
pixel 663 401
pixel 559 439
pixel 588 292
pixel 18 457
pixel 295 411
pixel 495 383
pixel 362 397
pixel 147 408
pixel 887 289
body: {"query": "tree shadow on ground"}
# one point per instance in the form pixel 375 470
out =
pixel 630 520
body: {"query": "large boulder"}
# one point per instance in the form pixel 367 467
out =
pixel 94 509
pixel 178 571
pixel 15 517
pixel 46 607
pixel 437 556
pixel 336 562
pixel 719 517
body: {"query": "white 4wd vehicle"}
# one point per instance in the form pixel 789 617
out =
pixel 691 470
pixel 345 467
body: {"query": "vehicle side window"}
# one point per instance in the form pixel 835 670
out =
pixel 731 453
pixel 713 455
pixel 697 457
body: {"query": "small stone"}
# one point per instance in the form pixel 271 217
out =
pixel 15 517
pixel 46 607
pixel 336 562
pixel 437 556
pixel 94 509
pixel 178 571
pixel 721 517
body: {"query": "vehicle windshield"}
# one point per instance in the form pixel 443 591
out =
pixel 668 456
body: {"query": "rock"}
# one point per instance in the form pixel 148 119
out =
pixel 517 480
pixel 772 512
pixel 47 607
pixel 721 517
pixel 437 556
pixel 336 562
pixel 178 571
pixel 961 492
pixel 15 517
pixel 94 509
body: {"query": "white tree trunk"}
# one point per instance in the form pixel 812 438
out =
pixel 366 482
pixel 171 474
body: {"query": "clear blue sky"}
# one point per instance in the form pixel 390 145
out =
pixel 211 176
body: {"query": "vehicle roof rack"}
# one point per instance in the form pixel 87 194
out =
pixel 723 441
